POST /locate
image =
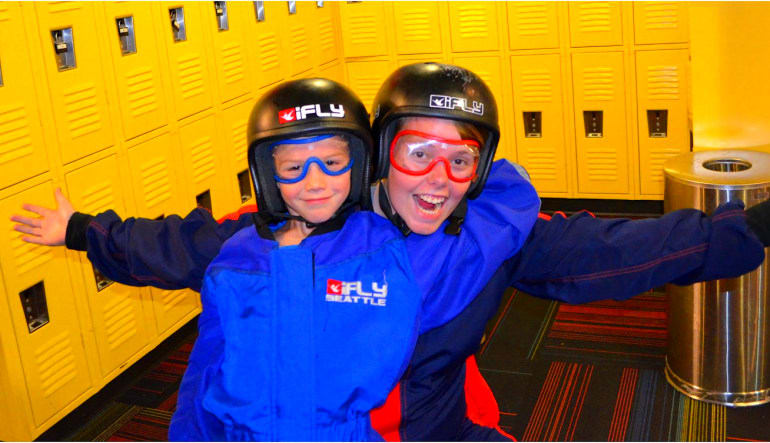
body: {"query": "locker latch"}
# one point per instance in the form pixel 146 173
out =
pixel 63 48
pixel 244 184
pixel 533 124
pixel 177 24
pixel 657 123
pixel 1 74
pixel 101 280
pixel 259 9
pixel 220 9
pixel 594 123
pixel 126 34
pixel 203 200
pixel 35 307
pixel 319 4
pixel 292 7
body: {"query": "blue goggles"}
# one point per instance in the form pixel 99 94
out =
pixel 332 170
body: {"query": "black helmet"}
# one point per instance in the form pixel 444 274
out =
pixel 436 90
pixel 302 108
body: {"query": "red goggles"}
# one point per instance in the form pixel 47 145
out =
pixel 416 153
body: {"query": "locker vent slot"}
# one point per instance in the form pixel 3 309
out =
pixel 35 307
pixel 203 200
pixel 126 35
pixel 177 24
pixel 220 9
pixel 244 184
pixel 101 281
pixel 64 49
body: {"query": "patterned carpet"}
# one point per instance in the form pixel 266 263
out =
pixel 559 372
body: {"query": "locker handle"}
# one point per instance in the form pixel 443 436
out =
pixel 34 306
pixel 319 4
pixel 533 124
pixel 220 9
pixel 126 35
pixel 203 200
pixel 657 123
pixel 102 282
pixel 292 7
pixel 593 122
pixel 244 185
pixel 259 9
pixel 1 74
pixel 64 48
pixel 177 24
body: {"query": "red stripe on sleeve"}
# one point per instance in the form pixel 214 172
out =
pixel 387 418
pixel 236 215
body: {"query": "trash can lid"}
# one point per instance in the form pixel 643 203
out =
pixel 731 167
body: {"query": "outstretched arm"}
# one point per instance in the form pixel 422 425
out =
pixel 581 258
pixel 50 227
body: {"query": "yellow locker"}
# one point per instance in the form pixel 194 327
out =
pixel 264 26
pixel 595 23
pixel 365 79
pixel 203 166
pixel 473 26
pixel 363 29
pixel 74 62
pixel 228 23
pixel 418 28
pixel 327 39
pixel 116 310
pixel 539 120
pixel 600 123
pixel 45 320
pixel 533 25
pixel 661 78
pixel 22 152
pixel 300 35
pixel 660 22
pixel 134 49
pixel 334 71
pixel 181 26
pixel 489 69
pixel 234 123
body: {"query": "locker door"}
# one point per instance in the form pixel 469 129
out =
pixel 22 152
pixel 229 30
pixel 73 63
pixel 134 50
pixel 181 27
pixel 662 109
pixel 418 28
pixel 533 25
pixel 116 310
pixel 234 122
pixel 660 22
pixel 265 25
pixel 539 119
pixel 46 323
pixel 363 29
pixel 488 68
pixel 595 24
pixel 473 26
pixel 300 34
pixel 203 167
pixel 334 71
pixel 600 123
pixel 327 40
pixel 365 79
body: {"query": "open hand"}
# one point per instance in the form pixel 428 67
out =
pixel 51 227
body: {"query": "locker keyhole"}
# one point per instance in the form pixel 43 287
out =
pixel 220 9
pixel 63 48
pixel 177 24
pixel 101 280
pixel 125 27
pixel 594 123
pixel 203 200
pixel 35 307
pixel 244 184
pixel 292 7
pixel 533 124
pixel 657 123
pixel 259 10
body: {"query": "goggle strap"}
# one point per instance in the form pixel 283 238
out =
pixel 387 209
pixel 300 141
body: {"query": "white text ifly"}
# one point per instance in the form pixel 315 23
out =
pixel 302 112
pixel 353 292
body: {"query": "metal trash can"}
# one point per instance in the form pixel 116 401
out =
pixel 719 331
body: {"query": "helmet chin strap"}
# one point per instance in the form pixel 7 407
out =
pixel 456 218
pixel 263 220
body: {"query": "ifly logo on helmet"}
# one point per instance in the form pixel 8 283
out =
pixel 302 112
pixel 353 292
pixel 461 103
